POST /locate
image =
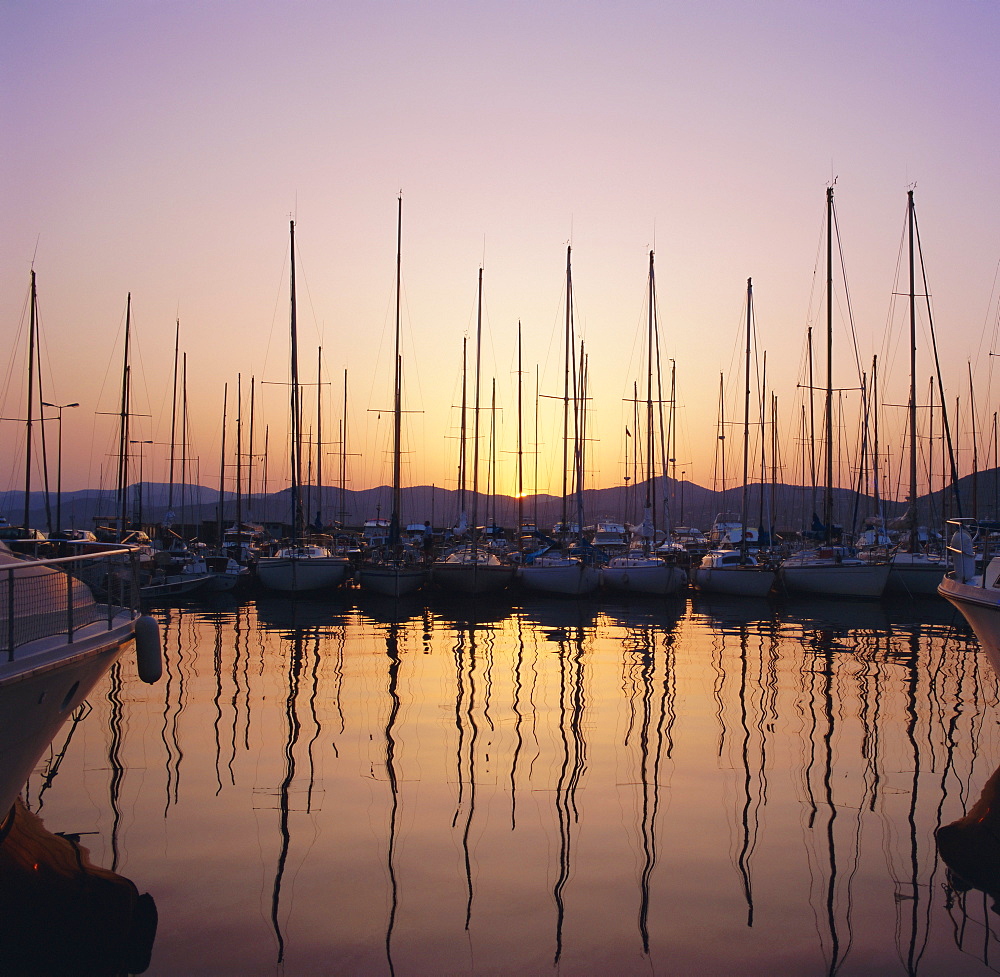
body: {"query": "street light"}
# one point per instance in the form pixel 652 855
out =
pixel 138 518
pixel 60 408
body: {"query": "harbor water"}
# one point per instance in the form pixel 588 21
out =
pixel 679 786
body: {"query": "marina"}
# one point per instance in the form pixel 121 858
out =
pixel 594 574
pixel 359 785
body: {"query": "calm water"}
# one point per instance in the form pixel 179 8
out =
pixel 650 788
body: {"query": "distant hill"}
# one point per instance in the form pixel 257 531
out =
pixel 690 504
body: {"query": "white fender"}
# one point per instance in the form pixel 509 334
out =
pixel 147 649
pixel 963 555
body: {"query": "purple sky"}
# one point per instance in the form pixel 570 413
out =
pixel 161 147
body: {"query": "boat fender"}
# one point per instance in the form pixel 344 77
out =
pixel 147 649
pixel 964 556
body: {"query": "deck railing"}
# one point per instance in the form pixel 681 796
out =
pixel 43 598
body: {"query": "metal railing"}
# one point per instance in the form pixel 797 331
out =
pixel 49 597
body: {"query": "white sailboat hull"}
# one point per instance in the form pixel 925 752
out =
pixel 642 576
pixel 829 578
pixel 299 573
pixel 570 578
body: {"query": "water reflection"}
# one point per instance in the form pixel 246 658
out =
pixel 466 787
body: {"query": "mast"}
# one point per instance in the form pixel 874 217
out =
pixel 222 461
pixel 828 489
pixel 913 379
pixel 239 460
pixel 250 458
pixel 319 432
pixel 475 417
pixel 173 417
pixel 746 427
pixel 123 423
pixel 649 513
pixel 975 448
pixel 568 359
pixel 462 461
pixel 811 433
pixel 343 457
pixel 580 420
pixel 297 527
pixel 534 478
pixel 184 441
pixel 397 427
pixel 32 323
pixel 520 443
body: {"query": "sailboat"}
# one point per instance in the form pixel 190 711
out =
pixel 725 570
pixel 832 569
pixel 562 573
pixel 473 568
pixel 390 572
pixel 301 563
pixel 915 571
pixel 639 571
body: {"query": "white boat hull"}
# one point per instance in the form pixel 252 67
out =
pixel 391 581
pixel 569 578
pixel 738 581
pixel 293 574
pixel 829 579
pixel 980 606
pixel 40 689
pixel 643 577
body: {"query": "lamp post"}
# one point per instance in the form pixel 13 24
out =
pixel 683 473
pixel 60 408
pixel 138 518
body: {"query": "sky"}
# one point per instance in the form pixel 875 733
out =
pixel 161 148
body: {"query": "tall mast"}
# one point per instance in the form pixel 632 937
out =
pixel 828 493
pixel 184 438
pixel 975 448
pixel 462 452
pixel 810 434
pixel 295 405
pixel 239 458
pixel 319 429
pixel 746 426
pixel 222 461
pixel 32 317
pixel 397 428
pixel 520 441
pixel 568 361
pixel 343 457
pixel 475 417
pixel 173 417
pixel 913 380
pixel 123 422
pixel 250 458
pixel 650 426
